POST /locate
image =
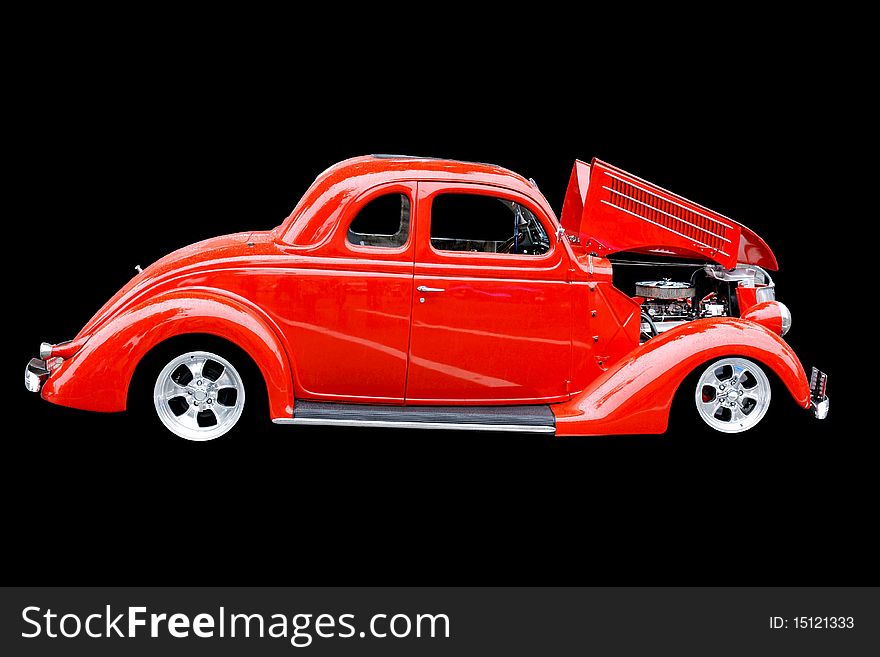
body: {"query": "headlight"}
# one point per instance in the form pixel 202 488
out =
pixel 770 314
pixel 786 318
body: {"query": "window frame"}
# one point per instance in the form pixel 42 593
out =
pixel 426 208
pixel 351 213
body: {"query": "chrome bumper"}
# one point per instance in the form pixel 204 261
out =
pixel 820 408
pixel 819 401
pixel 36 372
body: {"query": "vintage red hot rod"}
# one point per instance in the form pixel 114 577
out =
pixel 428 293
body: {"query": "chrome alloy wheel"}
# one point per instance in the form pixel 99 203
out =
pixel 199 395
pixel 732 395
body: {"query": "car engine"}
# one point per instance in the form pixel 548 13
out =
pixel 710 292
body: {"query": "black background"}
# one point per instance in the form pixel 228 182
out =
pixel 126 148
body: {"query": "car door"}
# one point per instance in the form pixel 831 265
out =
pixel 347 304
pixel 491 314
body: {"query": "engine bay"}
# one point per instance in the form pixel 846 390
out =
pixel 679 292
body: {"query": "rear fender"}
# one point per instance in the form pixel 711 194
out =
pixel 98 376
pixel 635 395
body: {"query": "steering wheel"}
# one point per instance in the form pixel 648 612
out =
pixel 523 240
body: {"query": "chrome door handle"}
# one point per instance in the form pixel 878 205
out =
pixel 425 288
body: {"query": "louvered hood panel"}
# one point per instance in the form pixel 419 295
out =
pixel 611 210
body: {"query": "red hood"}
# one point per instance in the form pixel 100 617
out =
pixel 210 250
pixel 611 210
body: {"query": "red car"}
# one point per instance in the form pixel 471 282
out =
pixel 428 293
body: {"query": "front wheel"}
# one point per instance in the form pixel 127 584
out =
pixel 732 395
pixel 199 395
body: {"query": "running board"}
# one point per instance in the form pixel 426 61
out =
pixel 523 419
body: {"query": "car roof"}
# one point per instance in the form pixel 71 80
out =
pixel 317 209
pixel 414 167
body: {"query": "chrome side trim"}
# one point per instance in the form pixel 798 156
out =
pixel 385 424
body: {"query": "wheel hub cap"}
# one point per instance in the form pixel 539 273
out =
pixel 732 395
pixel 199 395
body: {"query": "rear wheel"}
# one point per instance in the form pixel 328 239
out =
pixel 732 395
pixel 199 395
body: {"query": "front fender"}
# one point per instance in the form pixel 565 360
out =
pixel 635 395
pixel 97 377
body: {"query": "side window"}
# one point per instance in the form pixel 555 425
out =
pixel 382 222
pixel 485 224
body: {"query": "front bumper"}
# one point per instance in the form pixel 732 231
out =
pixel 52 356
pixel 35 374
pixel 819 401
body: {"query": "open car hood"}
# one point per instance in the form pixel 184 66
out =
pixel 610 210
